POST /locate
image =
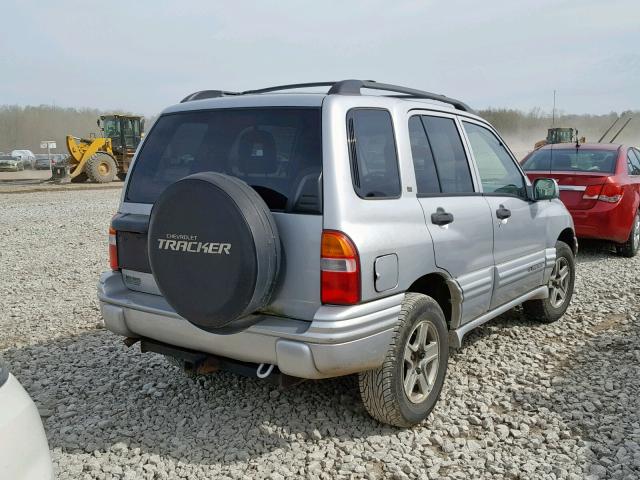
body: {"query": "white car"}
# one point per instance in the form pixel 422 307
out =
pixel 24 452
pixel 27 156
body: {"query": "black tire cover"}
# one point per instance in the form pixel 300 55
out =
pixel 214 250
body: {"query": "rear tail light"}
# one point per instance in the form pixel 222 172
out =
pixel 339 269
pixel 113 249
pixel 609 192
pixel 592 192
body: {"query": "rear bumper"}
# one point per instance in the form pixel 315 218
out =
pixel 339 340
pixel 604 221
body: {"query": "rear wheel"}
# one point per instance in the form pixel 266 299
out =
pixel 630 247
pixel 404 390
pixel 560 285
pixel 101 168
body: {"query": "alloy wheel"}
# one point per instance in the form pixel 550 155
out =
pixel 420 365
pixel 559 282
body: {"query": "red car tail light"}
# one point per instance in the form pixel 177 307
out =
pixel 592 192
pixel 113 250
pixel 611 193
pixel 339 269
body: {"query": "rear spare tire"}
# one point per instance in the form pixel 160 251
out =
pixel 214 250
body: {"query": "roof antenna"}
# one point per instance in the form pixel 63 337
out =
pixel 553 114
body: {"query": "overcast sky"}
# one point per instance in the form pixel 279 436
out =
pixel 144 55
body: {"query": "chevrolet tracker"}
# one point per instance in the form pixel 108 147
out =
pixel 365 230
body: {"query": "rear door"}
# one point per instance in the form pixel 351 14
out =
pixel 518 224
pixel 275 150
pixel 633 167
pixel 458 218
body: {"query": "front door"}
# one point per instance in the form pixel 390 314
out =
pixel 457 216
pixel 518 226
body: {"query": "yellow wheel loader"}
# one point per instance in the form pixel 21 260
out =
pixel 102 159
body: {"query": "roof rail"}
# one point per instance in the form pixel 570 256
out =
pixel 352 87
pixel 292 86
pixel 202 94
pixel 343 87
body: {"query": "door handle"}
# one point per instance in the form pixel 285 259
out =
pixel 503 213
pixel 441 218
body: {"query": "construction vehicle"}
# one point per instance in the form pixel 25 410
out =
pixel 559 135
pixel 102 159
pixel 624 125
pixel 567 135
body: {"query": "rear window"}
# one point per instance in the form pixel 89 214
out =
pixel 570 160
pixel 277 151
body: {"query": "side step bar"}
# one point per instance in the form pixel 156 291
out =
pixel 456 336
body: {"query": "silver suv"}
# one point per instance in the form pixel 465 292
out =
pixel 309 235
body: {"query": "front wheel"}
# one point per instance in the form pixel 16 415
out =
pixel 404 390
pixel 101 168
pixel 560 286
pixel 630 247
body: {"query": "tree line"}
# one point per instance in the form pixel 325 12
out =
pixel 24 127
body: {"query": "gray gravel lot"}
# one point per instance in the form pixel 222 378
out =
pixel 521 400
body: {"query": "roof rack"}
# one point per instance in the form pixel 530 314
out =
pixel 201 95
pixel 343 87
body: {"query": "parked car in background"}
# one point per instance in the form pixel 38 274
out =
pixel 27 156
pixel 10 163
pixel 24 452
pixel 43 161
pixel 599 184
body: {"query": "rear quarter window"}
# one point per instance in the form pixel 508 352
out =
pixel 372 147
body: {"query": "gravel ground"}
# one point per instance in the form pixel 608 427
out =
pixel 521 400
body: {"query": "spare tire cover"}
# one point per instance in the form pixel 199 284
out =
pixel 214 250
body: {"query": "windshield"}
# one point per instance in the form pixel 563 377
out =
pixel 572 160
pixel 277 151
pixel 111 127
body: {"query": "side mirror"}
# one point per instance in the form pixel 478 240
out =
pixel 545 189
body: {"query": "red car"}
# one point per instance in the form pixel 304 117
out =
pixel 600 186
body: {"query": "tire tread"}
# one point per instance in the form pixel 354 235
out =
pixel 376 386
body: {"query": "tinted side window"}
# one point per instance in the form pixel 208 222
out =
pixel 633 162
pixel 498 171
pixel 372 146
pixel 448 153
pixel 423 164
pixel 636 153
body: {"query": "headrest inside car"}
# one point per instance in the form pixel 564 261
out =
pixel 257 152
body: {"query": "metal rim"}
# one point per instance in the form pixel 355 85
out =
pixel 421 361
pixel 103 168
pixel 559 282
pixel 636 233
